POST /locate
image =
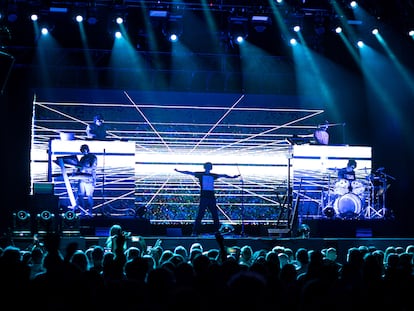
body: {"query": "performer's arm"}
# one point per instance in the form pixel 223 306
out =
pixel 229 176
pixel 184 172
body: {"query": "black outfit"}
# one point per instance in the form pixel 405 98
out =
pixel 207 196
pixel 96 131
pixel 207 200
pixel 348 175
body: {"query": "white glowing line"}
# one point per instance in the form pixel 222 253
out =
pixel 179 107
pixel 156 193
pixel 269 130
pixel 148 121
pixel 69 117
pixel 218 122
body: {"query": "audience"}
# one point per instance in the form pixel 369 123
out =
pixel 198 278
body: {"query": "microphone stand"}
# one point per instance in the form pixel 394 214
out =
pixel 242 234
pixel 103 184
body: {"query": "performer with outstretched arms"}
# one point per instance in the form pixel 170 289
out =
pixel 207 195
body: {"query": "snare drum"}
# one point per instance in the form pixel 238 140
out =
pixel 358 187
pixel 341 187
pixel 348 206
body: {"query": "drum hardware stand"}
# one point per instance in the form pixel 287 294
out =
pixel 242 233
pixel 385 186
pixel 379 195
pixel 370 211
pixel 104 205
pixel 327 209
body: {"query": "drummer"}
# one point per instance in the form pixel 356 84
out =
pixel 348 172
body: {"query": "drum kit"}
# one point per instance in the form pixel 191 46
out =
pixel 357 198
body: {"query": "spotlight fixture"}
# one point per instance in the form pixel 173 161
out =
pixel 226 229
pixel 173 28
pixel 70 225
pixel 304 231
pixel 238 29
pixel 260 22
pixel 22 225
pixel 46 222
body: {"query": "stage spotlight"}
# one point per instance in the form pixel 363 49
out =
pixel 34 17
pixel 173 28
pixel 293 42
pixel 70 224
pixel 260 22
pixel 411 33
pixel 338 29
pixel 45 222
pixel 226 229
pixel 79 18
pixel 360 44
pixel 22 224
pixel 173 37
pixel 238 29
pixel 329 212
pixel 296 28
pixel 304 231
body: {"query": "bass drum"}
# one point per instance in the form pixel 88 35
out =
pixel 348 206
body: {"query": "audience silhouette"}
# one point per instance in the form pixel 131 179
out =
pixel 197 278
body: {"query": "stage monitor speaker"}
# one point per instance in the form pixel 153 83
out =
pixel 6 65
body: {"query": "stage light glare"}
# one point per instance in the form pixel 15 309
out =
pixel 293 41
pixel 119 20
pixel 239 39
pixel 360 44
pixel 118 34
pixel 353 4
pixel 296 28
pixel 338 29
pixel 173 37
pixel 375 31
pixel 79 18
pixel 411 33
pixel 44 31
pixel 34 17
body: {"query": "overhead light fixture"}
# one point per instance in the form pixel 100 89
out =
pixel 238 29
pixel 158 14
pixel 260 22
pixel 22 225
pixel 58 10
pixel 173 28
